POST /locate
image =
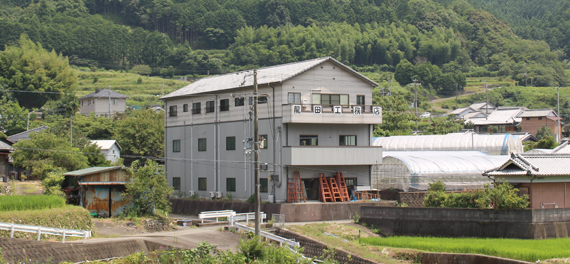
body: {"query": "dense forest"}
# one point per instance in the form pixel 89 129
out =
pixel 177 37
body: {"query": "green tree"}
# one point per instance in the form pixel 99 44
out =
pixel 148 189
pixel 405 72
pixel 94 156
pixel 141 132
pixel 52 183
pixel 544 131
pixel 13 118
pixel 442 126
pixel 30 68
pixel 45 152
pixel 396 118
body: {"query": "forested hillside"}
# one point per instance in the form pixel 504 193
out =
pixel 174 37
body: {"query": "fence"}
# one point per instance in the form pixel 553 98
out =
pixel 45 230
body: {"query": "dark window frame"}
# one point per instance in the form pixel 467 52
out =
pixel 295 101
pixel 173 111
pixel 360 99
pixel 210 106
pixel 230 143
pixel 202 181
pixel 202 146
pixel 176 145
pixel 528 118
pixel 264 183
pixel 230 182
pixel 224 105
pixel 309 139
pixel 342 140
pixel 262 100
pixel 196 108
pixel 264 144
pixel 540 118
pixel 175 186
pixel 240 101
pixel 185 108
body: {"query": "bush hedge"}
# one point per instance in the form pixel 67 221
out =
pixel 30 202
pixel 67 217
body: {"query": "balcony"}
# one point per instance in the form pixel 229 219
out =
pixel 332 114
pixel 323 156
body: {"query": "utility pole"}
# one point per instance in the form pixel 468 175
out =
pixel 525 73
pixel 390 86
pixel 382 92
pixel 559 129
pixel 256 153
pixel 109 101
pixel 71 129
pixel 162 88
pixel 456 86
pixel 28 125
pixel 487 98
pixel 416 101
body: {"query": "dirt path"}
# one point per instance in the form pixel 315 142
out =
pixel 28 188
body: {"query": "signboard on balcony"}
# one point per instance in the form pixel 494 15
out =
pixel 377 110
pixel 337 110
pixel 296 109
pixel 357 110
pixel 318 109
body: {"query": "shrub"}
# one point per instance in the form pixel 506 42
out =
pixel 30 202
pixel 503 196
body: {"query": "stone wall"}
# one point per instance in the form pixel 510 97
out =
pixel 294 212
pixel 458 222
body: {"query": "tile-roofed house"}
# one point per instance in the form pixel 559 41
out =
pixel 267 75
pixel 533 119
pixel 25 135
pixel 481 107
pixel 5 150
pixel 110 148
pixel 542 176
pixel 504 119
pixel 103 102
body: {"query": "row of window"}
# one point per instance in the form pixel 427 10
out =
pixel 230 184
pixel 305 140
pixel 89 102
pixel 230 143
pixel 293 98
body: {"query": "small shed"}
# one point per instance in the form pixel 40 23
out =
pixel 5 151
pixel 110 148
pixel 101 189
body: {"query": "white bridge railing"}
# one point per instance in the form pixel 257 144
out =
pixel 267 235
pixel 216 214
pixel 45 230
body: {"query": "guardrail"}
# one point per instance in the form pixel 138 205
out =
pixel 45 230
pixel 276 238
pixel 216 214
pixel 249 216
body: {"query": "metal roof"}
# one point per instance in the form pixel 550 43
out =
pixel 104 93
pixel 105 144
pixel 533 165
pixel 496 144
pixel 91 170
pixel 267 75
pixel 4 146
pixel 26 134
pixel 500 116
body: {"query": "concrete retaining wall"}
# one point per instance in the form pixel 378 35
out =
pixel 294 212
pixel 457 222
pixel 438 258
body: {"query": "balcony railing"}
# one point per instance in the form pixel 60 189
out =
pixel 341 114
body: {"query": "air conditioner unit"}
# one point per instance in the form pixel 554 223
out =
pixel 211 195
pixel 191 193
pixel 218 195
pixel 263 166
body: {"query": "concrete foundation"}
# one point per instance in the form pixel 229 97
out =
pixel 457 222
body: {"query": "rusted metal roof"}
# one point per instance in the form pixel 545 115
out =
pixel 91 170
pixel 103 183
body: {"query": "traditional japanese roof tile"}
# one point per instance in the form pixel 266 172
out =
pixel 5 146
pixel 533 165
pixel 25 135
pixel 267 75
pixel 537 113
pixel 104 93
pixel 506 115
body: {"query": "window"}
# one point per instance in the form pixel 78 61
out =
pixel 540 118
pixel 316 99
pixel 196 108
pixel 262 100
pixel 347 141
pixel 528 118
pixel 202 184
pixel 173 111
pixel 230 184
pixel 230 143
pixel 209 106
pixel 309 140
pixel 114 101
pixel 331 99
pixel 263 143
pixel 360 100
pixel 240 101
pixel 176 183
pixel 176 145
pixel 263 185
pixel 201 144
pixel 294 98
pixel 185 108
pixel 224 104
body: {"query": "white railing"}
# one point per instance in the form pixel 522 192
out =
pixel 216 214
pixel 276 238
pixel 249 216
pixel 40 230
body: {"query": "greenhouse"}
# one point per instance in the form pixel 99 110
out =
pixel 414 170
pixel 499 144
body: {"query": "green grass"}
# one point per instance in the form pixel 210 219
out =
pixel 30 202
pixel 527 250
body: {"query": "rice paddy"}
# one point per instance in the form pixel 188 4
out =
pixel 30 202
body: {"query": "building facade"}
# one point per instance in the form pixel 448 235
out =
pixel 103 102
pixel 533 119
pixel 315 116
pixel 110 148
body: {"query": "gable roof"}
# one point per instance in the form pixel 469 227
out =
pixel 106 144
pixel 502 115
pixel 533 165
pixel 479 106
pixel 460 110
pixel 5 145
pixel 25 135
pixel 266 75
pixel 91 170
pixel 537 113
pixel 104 93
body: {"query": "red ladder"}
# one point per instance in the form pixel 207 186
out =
pixel 295 189
pixel 335 191
pixel 325 190
pixel 342 186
